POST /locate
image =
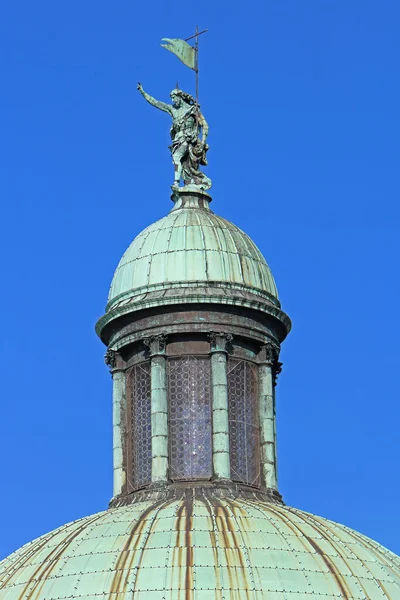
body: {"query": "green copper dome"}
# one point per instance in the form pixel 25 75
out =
pixel 191 245
pixel 203 548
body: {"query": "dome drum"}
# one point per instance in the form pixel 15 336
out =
pixel 177 379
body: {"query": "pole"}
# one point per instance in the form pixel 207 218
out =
pixel 197 67
pixel 196 57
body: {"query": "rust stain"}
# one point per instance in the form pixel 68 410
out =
pixel 137 529
pixel 189 576
pixel 354 554
pixel 232 551
pixel 27 555
pixel 237 508
pixel 214 545
pixel 331 566
pixel 184 547
pixel 378 555
pixel 158 508
pixel 43 571
pixel 241 530
pixel 335 573
pixel 384 590
pixel 346 593
pixel 316 524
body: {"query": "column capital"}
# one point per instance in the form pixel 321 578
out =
pixel 269 353
pixel 156 344
pixel 110 358
pixel 219 341
pixel 277 370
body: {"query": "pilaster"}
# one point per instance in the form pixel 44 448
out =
pixel 268 370
pixel 159 408
pixel 220 415
pixel 113 360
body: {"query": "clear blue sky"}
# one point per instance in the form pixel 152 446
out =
pixel 303 103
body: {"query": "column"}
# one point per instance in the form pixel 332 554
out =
pixel 119 398
pixel 268 369
pixel 159 409
pixel 220 416
pixel 276 370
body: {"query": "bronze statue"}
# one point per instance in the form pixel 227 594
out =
pixel 189 132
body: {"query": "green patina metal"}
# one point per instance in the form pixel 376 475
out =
pixel 184 51
pixel 220 421
pixel 267 417
pixel 119 401
pixel 191 246
pixel 205 547
pixel 159 409
pixel 189 133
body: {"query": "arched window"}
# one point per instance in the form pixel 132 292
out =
pixel 244 435
pixel 139 426
pixel 190 418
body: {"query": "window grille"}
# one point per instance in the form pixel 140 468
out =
pixel 190 418
pixel 244 434
pixel 139 467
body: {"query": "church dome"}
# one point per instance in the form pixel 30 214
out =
pixel 201 547
pixel 191 246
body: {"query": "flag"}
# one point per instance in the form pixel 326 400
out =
pixel 184 51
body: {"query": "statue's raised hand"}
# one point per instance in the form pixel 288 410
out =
pixel 139 87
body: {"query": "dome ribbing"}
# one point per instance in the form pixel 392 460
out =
pixel 191 245
pixel 208 548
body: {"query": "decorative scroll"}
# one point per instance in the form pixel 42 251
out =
pixel 156 344
pixel 140 425
pixel 244 434
pixel 220 341
pixel 189 382
pixel 270 353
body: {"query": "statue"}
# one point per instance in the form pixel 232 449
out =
pixel 189 132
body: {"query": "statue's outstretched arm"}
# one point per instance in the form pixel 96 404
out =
pixel 160 105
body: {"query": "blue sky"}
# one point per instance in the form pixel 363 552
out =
pixel 303 102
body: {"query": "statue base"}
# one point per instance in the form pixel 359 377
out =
pixel 190 196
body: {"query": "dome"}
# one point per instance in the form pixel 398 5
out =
pixel 191 246
pixel 182 548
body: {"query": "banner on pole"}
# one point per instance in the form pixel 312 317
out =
pixel 184 51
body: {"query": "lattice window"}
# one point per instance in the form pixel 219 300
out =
pixel 189 382
pixel 244 434
pixel 139 465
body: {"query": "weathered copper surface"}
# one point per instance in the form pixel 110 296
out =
pixel 200 546
pixel 252 324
